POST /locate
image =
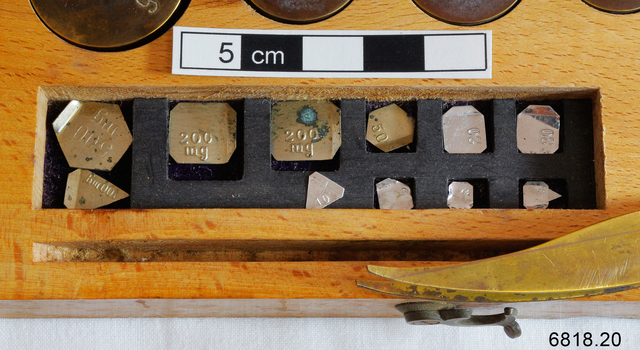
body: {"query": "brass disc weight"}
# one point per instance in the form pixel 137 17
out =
pixel 299 11
pixel 109 25
pixel 615 6
pixel 466 12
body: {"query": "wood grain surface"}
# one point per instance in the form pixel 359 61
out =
pixel 542 46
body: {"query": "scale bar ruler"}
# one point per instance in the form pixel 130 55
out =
pixel 332 53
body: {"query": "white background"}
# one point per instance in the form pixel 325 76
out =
pixel 294 333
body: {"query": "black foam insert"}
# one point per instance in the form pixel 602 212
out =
pixel 253 180
pixel 498 174
pixel 259 187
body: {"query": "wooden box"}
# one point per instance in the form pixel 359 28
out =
pixel 294 262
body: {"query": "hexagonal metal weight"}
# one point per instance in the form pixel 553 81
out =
pixel 463 130
pixel 92 135
pixel 305 130
pixel 538 130
pixel 390 128
pixel 202 132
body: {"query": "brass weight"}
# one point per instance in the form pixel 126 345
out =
pixel 109 25
pixel 615 6
pixel 299 11
pixel 466 12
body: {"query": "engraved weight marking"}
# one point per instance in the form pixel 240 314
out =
pixel 301 135
pixel 289 137
pixel 325 198
pixel 148 4
pixel 306 148
pixel 104 149
pixel 86 136
pixel 475 136
pixel 104 123
pixel 326 192
pixel 84 133
pixel 547 137
pixel 380 137
pixel 195 137
pixel 202 152
pixel 102 187
pixel 78 132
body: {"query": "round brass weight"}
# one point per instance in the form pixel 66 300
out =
pixel 466 12
pixel 113 25
pixel 615 6
pixel 299 11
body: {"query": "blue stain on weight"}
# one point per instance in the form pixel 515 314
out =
pixel 307 116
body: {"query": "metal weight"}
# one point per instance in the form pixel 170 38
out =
pixel 615 6
pixel 109 25
pixel 466 12
pixel 299 11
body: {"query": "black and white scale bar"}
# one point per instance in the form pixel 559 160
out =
pixel 332 54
